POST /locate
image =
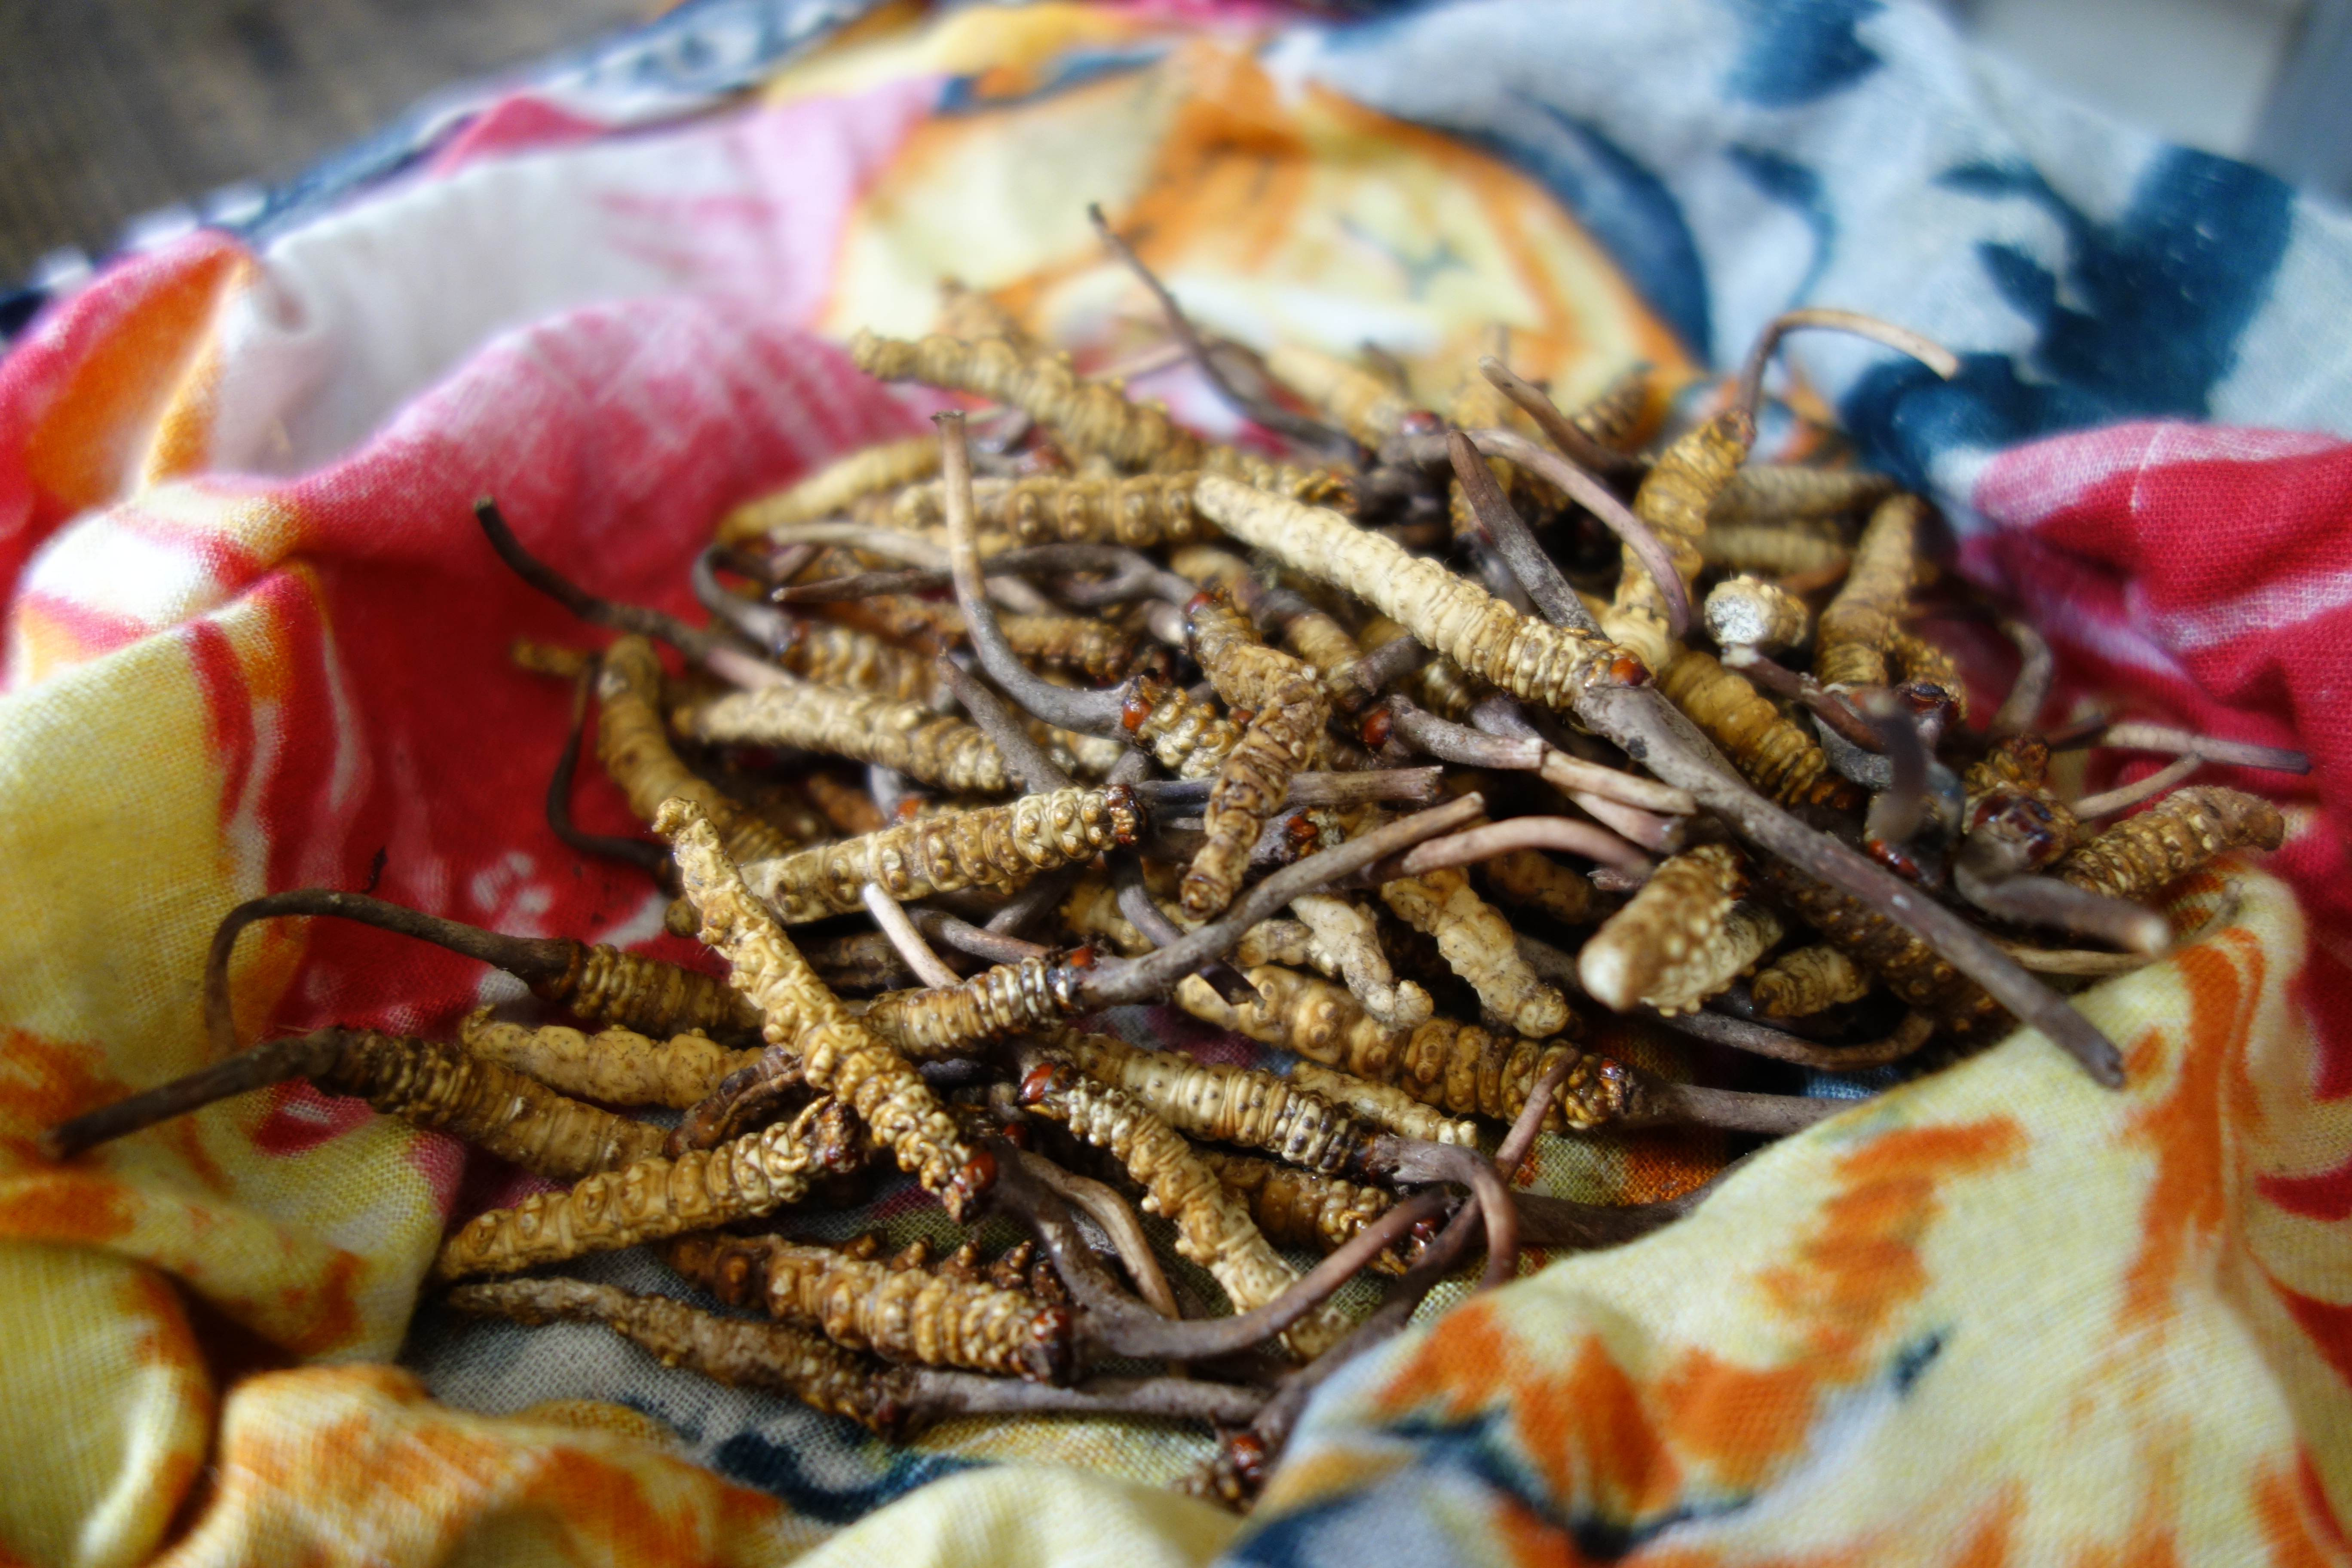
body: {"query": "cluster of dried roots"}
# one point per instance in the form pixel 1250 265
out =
pixel 1273 737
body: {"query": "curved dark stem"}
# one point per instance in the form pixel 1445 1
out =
pixel 2031 688
pixel 996 946
pixel 1558 428
pixel 1508 531
pixel 1090 713
pixel 1761 1039
pixel 530 959
pixel 1736 1110
pixel 1426 731
pixel 1135 901
pixel 1833 708
pixel 1750 386
pixel 1994 882
pixel 1273 416
pixel 1897 810
pixel 644 854
pixel 1147 978
pixel 760 625
pixel 691 641
pixel 1615 515
pixel 304 1056
pixel 1024 759
pixel 1418 1160
pixel 1364 680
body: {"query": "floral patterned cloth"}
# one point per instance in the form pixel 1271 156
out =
pixel 254 642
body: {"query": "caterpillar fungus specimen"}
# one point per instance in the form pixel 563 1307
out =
pixel 1779 758
pixel 1213 1229
pixel 940 1022
pixel 2171 838
pixel 1783 492
pixel 833 489
pixel 1186 736
pixel 652 1198
pixel 1676 935
pixel 1477 944
pixel 1290 706
pixel 1456 1067
pixel 617 1066
pixel 1300 1208
pixel 1773 550
pixel 1531 877
pixel 738 1351
pixel 990 847
pixel 1675 500
pixel 1227 1104
pixel 1851 641
pixel 1527 659
pixel 1369 408
pixel 1343 939
pixel 633 746
pixel 847 659
pixel 835 1052
pixel 906 737
pixel 429 1085
pixel 1809 980
pixel 905 1314
pixel 1384 1105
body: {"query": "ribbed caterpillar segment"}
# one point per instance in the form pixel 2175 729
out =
pixel 606 986
pixel 1778 755
pixel 1088 417
pixel 1675 500
pixel 1225 1103
pixel 1213 1229
pixel 444 1088
pixel 1139 511
pixel 1478 945
pixel 2142 854
pixel 738 1351
pixel 847 659
pixel 1301 1209
pixel 1363 404
pixel 1679 910
pixel 908 737
pixel 950 1021
pixel 1531 877
pixel 1849 644
pixel 1290 707
pixel 1910 968
pixel 992 846
pixel 833 489
pixel 617 1066
pixel 1525 657
pixel 1189 738
pixel 651 1199
pixel 911 1313
pixel 1455 1067
pixel 837 1053
pixel 1383 1105
pixel 1809 980
pixel 634 750
pixel 1777 492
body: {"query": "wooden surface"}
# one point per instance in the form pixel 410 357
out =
pixel 113 109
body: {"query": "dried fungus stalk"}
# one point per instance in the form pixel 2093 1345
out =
pixel 838 1054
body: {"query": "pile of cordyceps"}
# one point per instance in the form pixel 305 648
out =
pixel 1273 737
